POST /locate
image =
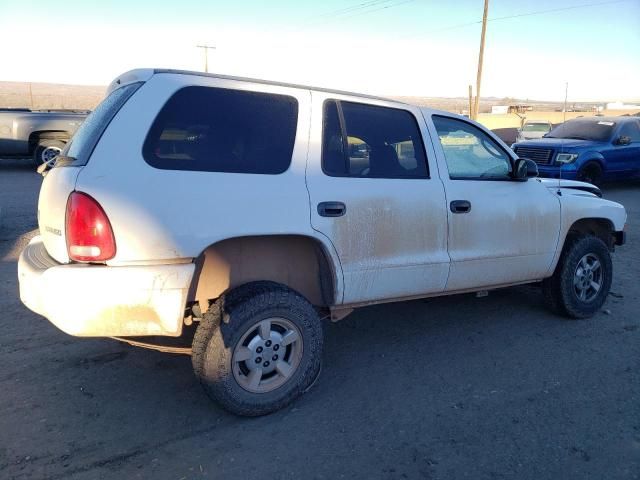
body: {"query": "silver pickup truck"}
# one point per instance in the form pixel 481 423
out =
pixel 40 134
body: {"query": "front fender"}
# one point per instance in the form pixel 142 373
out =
pixel 577 205
pixel 589 157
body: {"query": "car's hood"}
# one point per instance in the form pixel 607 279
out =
pixel 570 185
pixel 558 143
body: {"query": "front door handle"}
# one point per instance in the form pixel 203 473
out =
pixel 332 209
pixel 460 206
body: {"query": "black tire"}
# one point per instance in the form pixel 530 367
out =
pixel 591 173
pixel 560 292
pixel 233 317
pixel 41 152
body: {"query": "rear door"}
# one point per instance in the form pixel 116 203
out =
pixel 375 193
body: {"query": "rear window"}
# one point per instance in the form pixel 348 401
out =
pixel 86 137
pixel 220 130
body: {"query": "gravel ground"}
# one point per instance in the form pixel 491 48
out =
pixel 448 388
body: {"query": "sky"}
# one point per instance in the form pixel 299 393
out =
pixel 386 47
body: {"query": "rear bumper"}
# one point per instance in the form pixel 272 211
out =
pixel 101 301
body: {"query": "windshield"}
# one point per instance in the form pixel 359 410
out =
pixel 536 127
pixel 599 131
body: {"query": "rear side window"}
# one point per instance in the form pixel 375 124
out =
pixel 86 137
pixel 370 141
pixel 219 130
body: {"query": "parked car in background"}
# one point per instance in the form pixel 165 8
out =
pixel 39 134
pixel 239 205
pixel 533 129
pixel 590 149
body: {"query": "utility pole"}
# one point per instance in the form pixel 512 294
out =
pixel 206 49
pixel 470 102
pixel 476 109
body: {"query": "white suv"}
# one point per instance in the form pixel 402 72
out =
pixel 251 209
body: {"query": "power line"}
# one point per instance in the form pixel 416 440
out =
pixel 355 11
pixel 342 11
pixel 527 14
pixel 553 10
pixel 381 8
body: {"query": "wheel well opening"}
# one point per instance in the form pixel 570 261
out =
pixel 35 137
pixel 299 262
pixel 598 227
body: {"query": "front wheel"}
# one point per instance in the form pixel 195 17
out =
pixel 257 351
pixel 591 173
pixel 582 279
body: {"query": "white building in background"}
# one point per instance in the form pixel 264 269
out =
pixel 621 106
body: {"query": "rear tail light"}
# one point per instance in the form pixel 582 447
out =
pixel 88 230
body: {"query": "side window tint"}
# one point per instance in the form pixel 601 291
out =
pixel 220 130
pixel 470 152
pixel 631 130
pixel 380 142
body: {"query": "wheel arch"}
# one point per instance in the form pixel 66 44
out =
pixel 602 228
pixel 37 135
pixel 299 262
pixel 591 158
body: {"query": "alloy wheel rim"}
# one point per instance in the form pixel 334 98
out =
pixel 267 355
pixel 49 154
pixel 588 278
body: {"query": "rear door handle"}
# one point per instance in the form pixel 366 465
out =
pixel 332 209
pixel 460 206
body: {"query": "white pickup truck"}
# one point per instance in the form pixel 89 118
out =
pixel 252 209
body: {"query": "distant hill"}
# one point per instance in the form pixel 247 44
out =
pixel 86 97
pixel 50 95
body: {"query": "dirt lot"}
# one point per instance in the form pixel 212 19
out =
pixel 448 388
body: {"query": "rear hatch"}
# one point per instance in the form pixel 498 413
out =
pixel 60 181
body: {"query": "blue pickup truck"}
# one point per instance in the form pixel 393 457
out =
pixel 590 149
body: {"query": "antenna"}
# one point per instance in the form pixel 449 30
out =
pixel 564 119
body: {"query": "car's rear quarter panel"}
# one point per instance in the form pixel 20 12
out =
pixel 164 215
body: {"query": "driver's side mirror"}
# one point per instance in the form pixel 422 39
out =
pixel 524 169
pixel 622 140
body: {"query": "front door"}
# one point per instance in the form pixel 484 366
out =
pixel 375 194
pixel 500 231
pixel 624 159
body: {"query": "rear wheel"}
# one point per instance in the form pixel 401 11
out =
pixel 259 351
pixel 591 173
pixel 581 282
pixel 47 151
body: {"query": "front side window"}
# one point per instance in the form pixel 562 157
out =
pixel 368 141
pixel 220 130
pixel 631 130
pixel 471 153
